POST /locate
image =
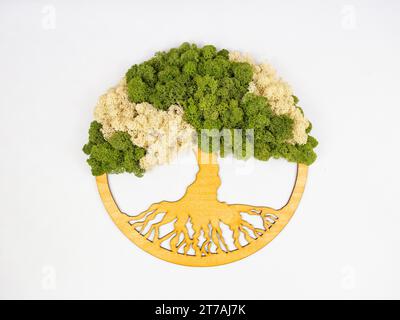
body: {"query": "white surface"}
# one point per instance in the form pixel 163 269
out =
pixel 342 59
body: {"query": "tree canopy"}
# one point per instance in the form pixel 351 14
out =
pixel 214 94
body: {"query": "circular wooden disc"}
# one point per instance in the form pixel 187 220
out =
pixel 212 259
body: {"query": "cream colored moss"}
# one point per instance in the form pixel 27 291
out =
pixel 162 133
pixel 279 94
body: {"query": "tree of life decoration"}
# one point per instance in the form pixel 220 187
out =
pixel 155 111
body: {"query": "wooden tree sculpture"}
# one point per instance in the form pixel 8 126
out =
pixel 158 107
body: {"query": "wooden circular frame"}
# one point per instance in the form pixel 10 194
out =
pixel 284 215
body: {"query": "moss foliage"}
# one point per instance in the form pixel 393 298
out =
pixel 213 92
pixel 115 155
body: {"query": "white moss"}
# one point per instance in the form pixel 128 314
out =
pixel 162 133
pixel 279 94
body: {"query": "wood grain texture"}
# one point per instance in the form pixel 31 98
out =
pixel 197 237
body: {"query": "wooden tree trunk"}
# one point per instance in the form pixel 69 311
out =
pixel 197 237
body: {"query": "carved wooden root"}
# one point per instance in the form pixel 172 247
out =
pixel 197 236
pixel 200 208
pixel 209 227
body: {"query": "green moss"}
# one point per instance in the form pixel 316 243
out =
pixel 213 92
pixel 297 153
pixel 188 75
pixel 116 155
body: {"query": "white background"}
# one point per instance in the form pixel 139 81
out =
pixel 342 60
